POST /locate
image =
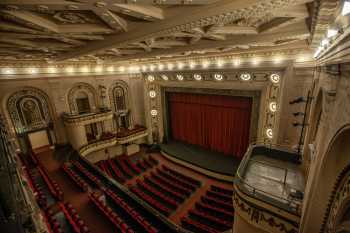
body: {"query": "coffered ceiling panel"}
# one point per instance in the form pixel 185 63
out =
pixel 115 30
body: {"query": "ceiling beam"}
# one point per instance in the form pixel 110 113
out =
pixel 185 20
pixel 32 20
pixel 299 31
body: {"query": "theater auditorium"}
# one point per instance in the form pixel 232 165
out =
pixel 175 116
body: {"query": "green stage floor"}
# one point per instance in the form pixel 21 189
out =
pixel 210 160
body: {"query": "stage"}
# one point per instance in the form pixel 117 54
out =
pixel 205 159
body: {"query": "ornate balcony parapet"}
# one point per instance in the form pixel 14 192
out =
pixel 268 189
pixel 126 137
pixel 86 118
pixel 132 135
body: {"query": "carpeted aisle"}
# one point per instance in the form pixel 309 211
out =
pixel 96 222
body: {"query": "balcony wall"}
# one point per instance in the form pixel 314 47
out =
pixel 262 191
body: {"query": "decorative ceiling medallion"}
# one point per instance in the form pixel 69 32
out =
pixel 164 77
pixel 150 78
pixel 218 77
pixel 269 133
pixel 152 94
pixel 245 76
pixel 154 112
pixel 180 77
pixel 275 78
pixel 273 106
pixel 197 77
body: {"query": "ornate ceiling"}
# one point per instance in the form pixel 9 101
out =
pixel 119 30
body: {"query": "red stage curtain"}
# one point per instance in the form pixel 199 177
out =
pixel 216 122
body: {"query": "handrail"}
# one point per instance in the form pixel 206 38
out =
pixel 292 204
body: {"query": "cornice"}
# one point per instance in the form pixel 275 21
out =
pixel 323 16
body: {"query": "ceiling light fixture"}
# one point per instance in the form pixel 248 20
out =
pixel 154 112
pixel 220 63
pixel 7 71
pixel 192 64
pixel 152 94
pixel 180 65
pixel 121 69
pixel 245 76
pixel 346 8
pixel 205 64
pixel 269 133
pixel 197 77
pixel 110 68
pixel 164 77
pixel 273 106
pixel 170 66
pixel 218 77
pixel 180 77
pixel 332 32
pixel 33 70
pixel 275 78
pixel 150 78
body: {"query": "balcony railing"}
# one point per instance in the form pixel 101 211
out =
pixel 91 117
pixel 110 139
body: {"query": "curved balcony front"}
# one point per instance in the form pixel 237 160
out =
pixel 108 140
pixel 86 118
pixel 268 191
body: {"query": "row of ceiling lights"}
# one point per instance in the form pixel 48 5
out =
pixel 206 63
pixel 332 32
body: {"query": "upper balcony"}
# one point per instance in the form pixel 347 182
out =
pixel 87 118
pixel 270 181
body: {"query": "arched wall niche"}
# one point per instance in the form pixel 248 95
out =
pixel 324 204
pixel 29 109
pixel 120 102
pixel 78 91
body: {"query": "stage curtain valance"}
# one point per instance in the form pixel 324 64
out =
pixel 215 122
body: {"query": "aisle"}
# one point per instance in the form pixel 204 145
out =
pixel 96 222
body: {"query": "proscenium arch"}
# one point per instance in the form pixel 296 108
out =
pixel 32 92
pixel 87 89
pixel 334 161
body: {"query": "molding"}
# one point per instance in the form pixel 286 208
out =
pixel 84 119
pixel 262 215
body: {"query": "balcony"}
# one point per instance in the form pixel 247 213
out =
pixel 87 118
pixel 130 135
pixel 110 139
pixel 270 183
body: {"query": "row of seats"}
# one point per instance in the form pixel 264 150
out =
pixel 219 196
pixel 216 202
pixel 76 178
pixel 133 213
pixel 228 192
pixel 73 218
pixel 88 174
pixel 51 184
pixel 215 211
pixel 172 183
pixel 52 223
pixel 206 218
pixel 183 177
pixel 118 175
pixel 166 189
pixel 131 165
pixel 196 226
pixel 176 180
pixel 155 204
pixel 110 214
pixel 164 199
pixel 41 198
